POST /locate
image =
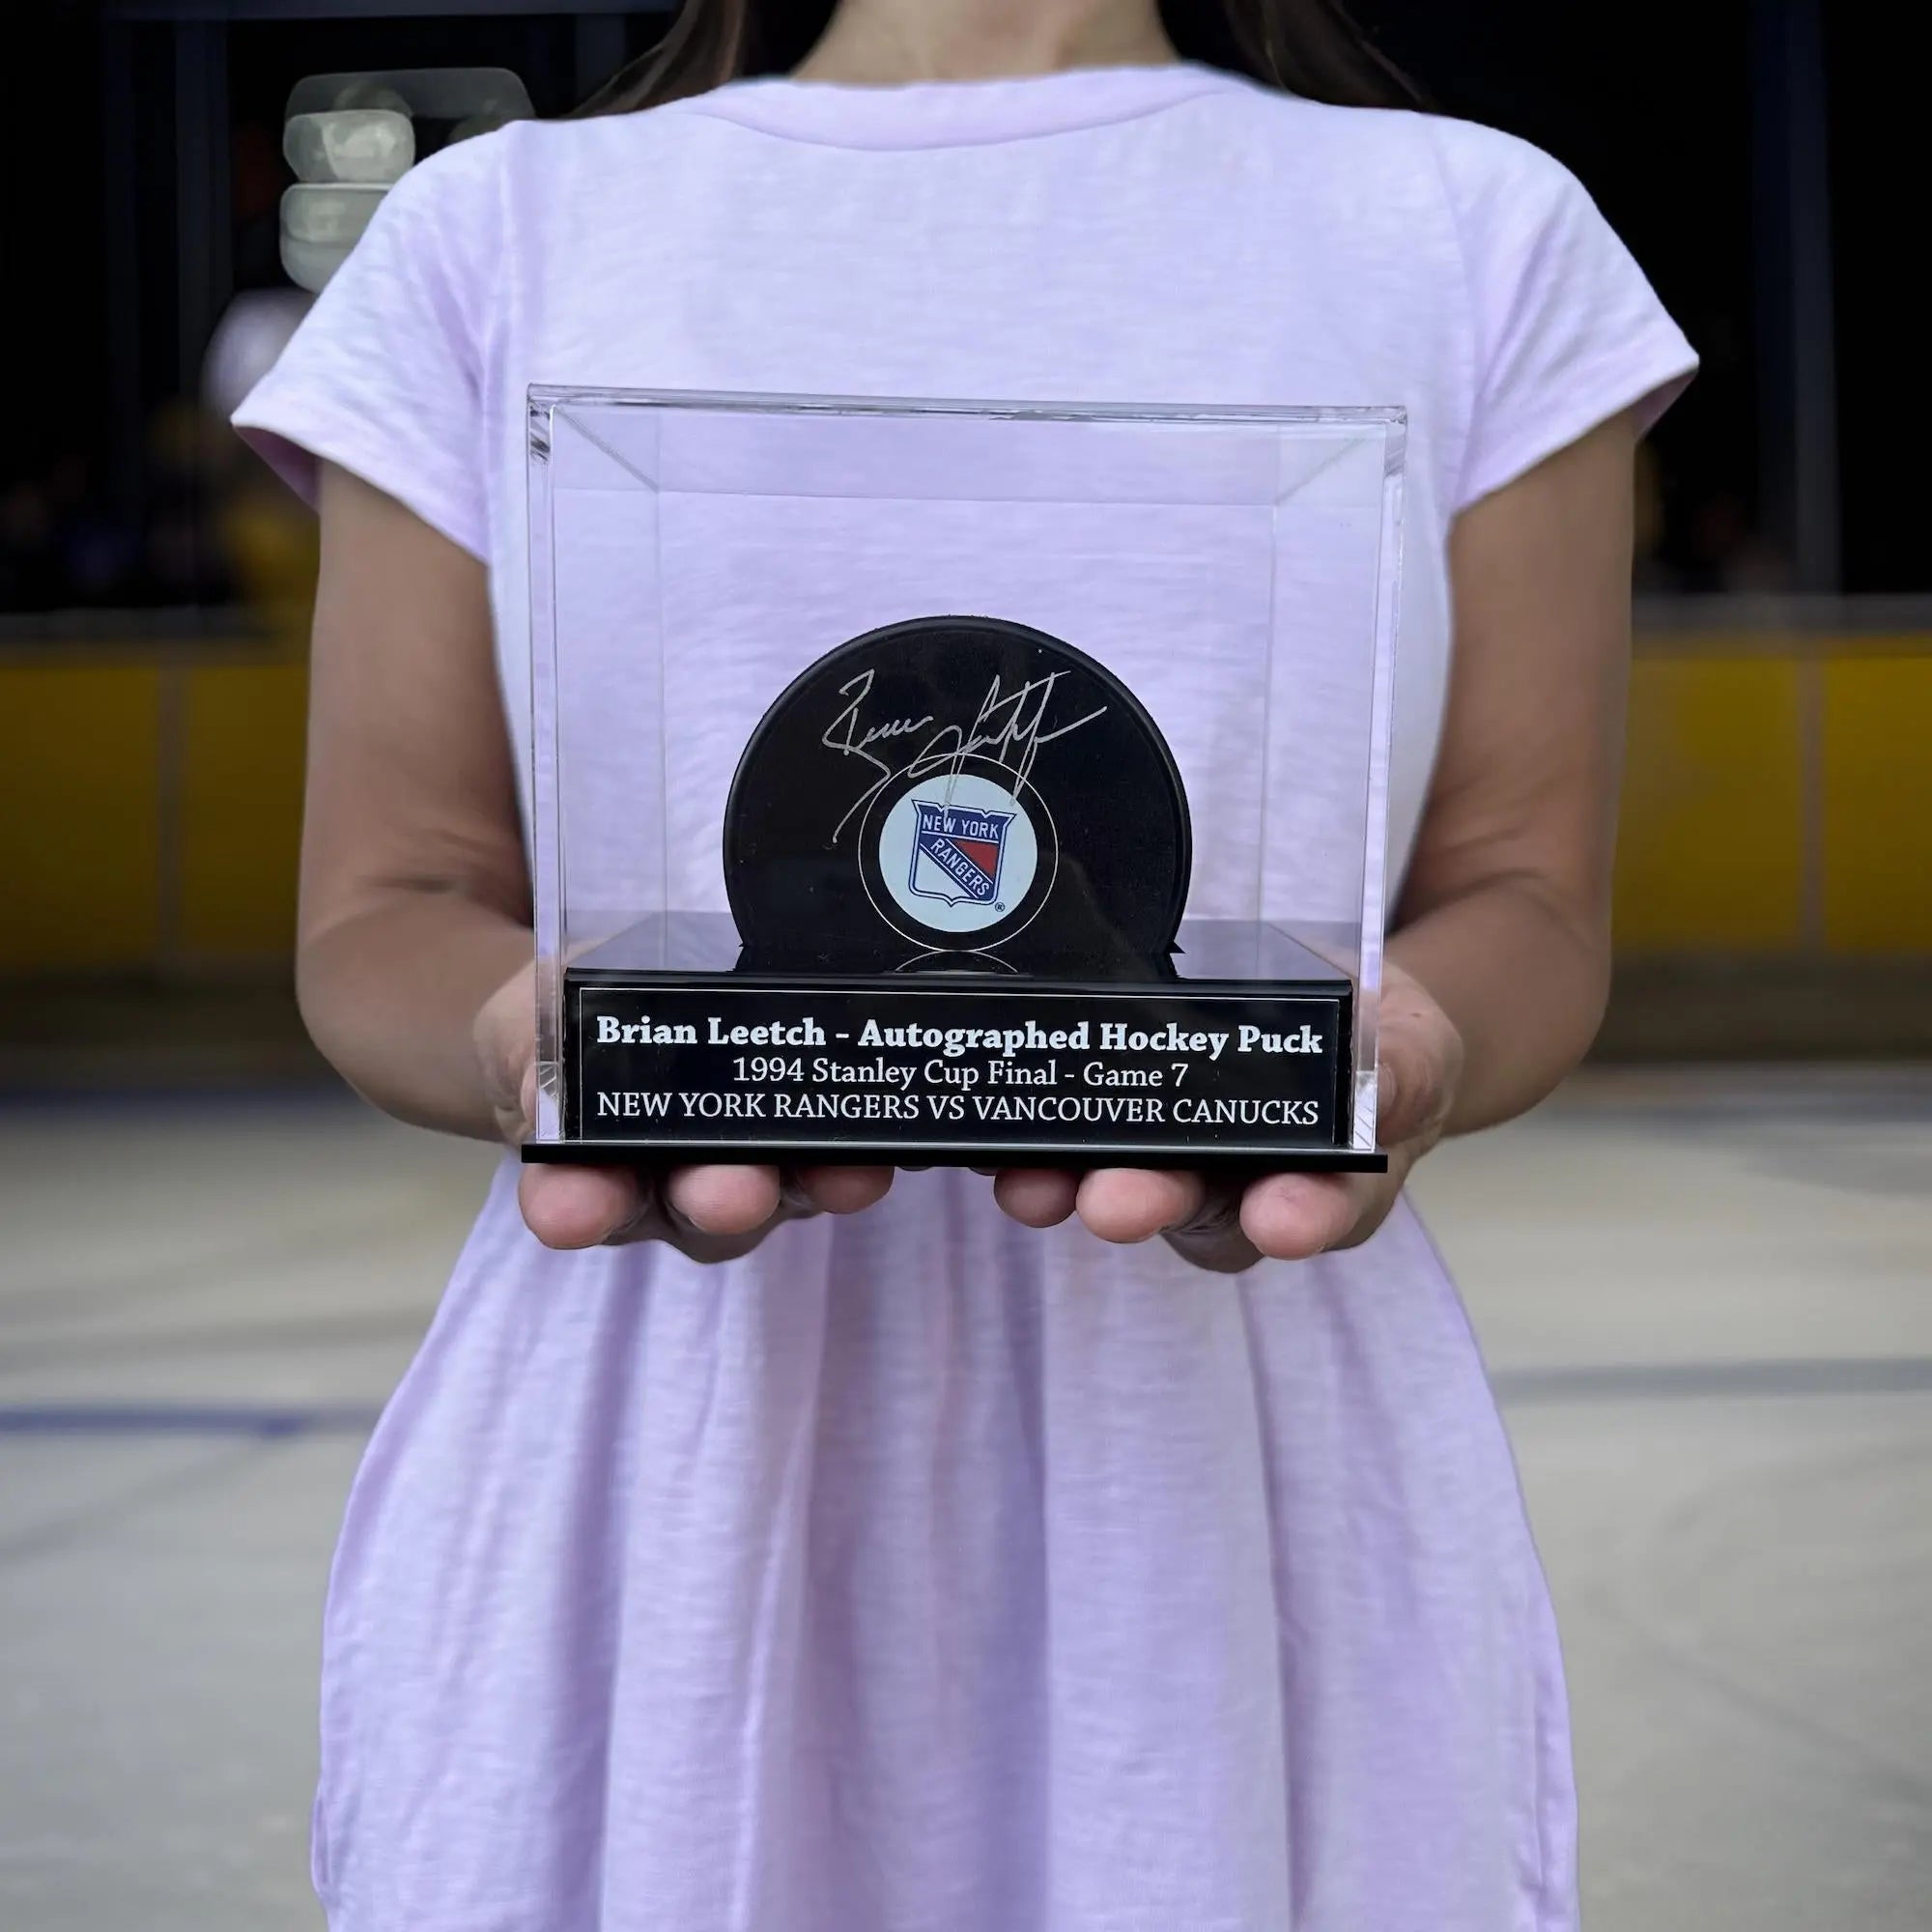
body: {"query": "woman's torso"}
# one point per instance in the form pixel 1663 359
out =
pixel 923 1570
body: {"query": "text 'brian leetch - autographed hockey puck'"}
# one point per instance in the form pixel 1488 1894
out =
pixel 957 794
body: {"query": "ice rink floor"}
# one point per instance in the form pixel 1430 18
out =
pixel 1706 1301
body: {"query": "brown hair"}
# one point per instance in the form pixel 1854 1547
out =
pixel 1311 48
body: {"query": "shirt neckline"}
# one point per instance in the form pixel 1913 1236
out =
pixel 957 113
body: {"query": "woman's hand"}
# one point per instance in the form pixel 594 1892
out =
pixel 709 1213
pixel 1226 1227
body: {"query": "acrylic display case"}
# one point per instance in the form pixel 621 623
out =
pixel 950 781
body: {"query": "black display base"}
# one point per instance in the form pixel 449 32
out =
pixel 958 1069
pixel 1223 1166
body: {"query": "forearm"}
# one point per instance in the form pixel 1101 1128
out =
pixel 1523 979
pixel 392 995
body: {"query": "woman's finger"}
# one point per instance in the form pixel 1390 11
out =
pixel 723 1200
pixel 578 1207
pixel 1290 1216
pixel 1135 1204
pixel 1036 1197
pixel 839 1190
pixel 1212 1237
pixel 1419 1056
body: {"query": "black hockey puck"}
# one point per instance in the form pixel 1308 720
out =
pixel 957 794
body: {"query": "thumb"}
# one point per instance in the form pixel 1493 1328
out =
pixel 505 1040
pixel 527 1100
pixel 1388 1097
pixel 1410 1092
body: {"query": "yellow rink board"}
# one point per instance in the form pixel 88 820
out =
pixel 242 729
pixel 114 856
pixel 118 855
pixel 1710 853
pixel 79 814
pixel 1877 829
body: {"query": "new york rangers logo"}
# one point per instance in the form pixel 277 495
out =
pixel 957 852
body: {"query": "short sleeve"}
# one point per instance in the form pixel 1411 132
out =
pixel 1567 331
pixel 384 377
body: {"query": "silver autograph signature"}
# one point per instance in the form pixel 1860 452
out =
pixel 1009 731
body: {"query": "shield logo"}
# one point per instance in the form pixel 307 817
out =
pixel 957 853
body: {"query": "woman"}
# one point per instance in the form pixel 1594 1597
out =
pixel 1136 1557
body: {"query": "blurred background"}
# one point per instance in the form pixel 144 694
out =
pixel 214 1265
